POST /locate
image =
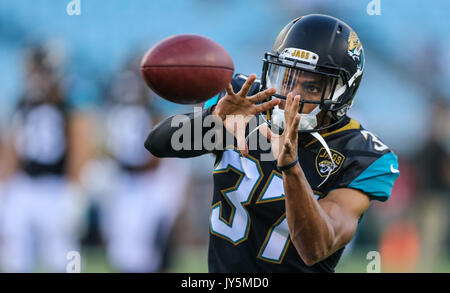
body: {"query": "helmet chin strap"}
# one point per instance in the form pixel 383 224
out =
pixel 309 121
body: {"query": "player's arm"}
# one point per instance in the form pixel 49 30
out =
pixel 81 145
pixel 320 228
pixel 317 228
pixel 232 112
pixel 8 157
pixel 159 142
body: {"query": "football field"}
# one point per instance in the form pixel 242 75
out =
pixel 194 260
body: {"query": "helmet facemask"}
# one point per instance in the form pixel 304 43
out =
pixel 322 92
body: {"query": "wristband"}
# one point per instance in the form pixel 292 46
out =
pixel 289 166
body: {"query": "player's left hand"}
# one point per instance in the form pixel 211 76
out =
pixel 285 146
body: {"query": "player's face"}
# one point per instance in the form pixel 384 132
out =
pixel 310 86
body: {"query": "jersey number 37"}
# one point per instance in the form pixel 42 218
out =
pixel 237 227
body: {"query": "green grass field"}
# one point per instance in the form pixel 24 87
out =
pixel 194 260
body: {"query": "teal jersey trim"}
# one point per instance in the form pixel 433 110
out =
pixel 378 179
pixel 211 102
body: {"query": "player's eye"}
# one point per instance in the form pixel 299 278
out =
pixel 312 89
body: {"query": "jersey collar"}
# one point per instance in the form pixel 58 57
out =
pixel 346 124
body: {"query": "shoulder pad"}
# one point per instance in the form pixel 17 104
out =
pixel 373 167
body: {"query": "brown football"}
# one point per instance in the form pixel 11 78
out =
pixel 187 69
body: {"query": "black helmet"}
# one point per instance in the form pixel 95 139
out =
pixel 321 48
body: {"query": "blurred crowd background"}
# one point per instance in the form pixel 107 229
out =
pixel 73 104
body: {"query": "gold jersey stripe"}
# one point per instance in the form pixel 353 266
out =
pixel 353 124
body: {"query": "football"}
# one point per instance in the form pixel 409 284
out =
pixel 187 69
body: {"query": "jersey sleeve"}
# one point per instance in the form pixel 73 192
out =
pixel 159 141
pixel 377 180
pixel 369 165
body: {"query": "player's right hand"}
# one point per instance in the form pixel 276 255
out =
pixel 237 109
pixel 285 146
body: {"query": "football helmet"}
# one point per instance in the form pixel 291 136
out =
pixel 320 58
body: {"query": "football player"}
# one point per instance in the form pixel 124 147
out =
pixel 142 201
pixel 295 213
pixel 47 147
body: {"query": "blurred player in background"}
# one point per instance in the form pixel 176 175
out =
pixel 46 149
pixel 146 193
pixel 432 206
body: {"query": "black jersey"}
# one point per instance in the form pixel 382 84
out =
pixel 127 125
pixel 40 130
pixel 248 226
